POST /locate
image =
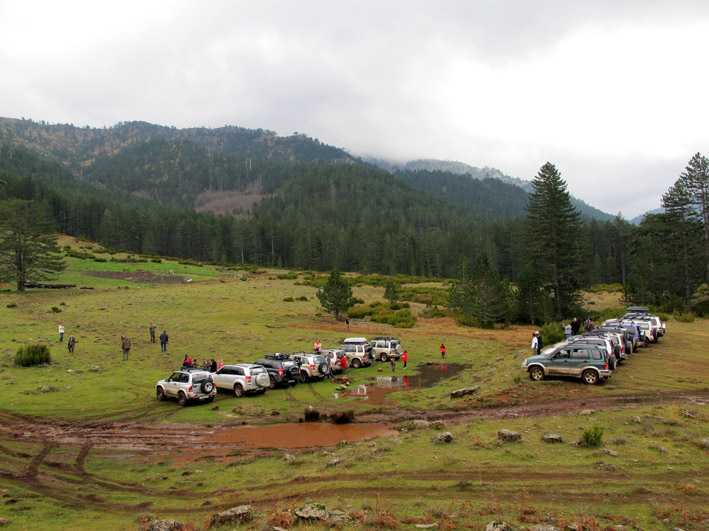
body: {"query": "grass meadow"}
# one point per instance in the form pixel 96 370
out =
pixel 650 472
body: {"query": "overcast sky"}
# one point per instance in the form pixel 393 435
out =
pixel 613 92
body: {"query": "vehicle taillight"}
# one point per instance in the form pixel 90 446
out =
pixel 605 366
pixel 280 372
pixel 248 379
pixel 312 366
pixel 190 388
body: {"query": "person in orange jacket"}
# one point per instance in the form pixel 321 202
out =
pixel 404 358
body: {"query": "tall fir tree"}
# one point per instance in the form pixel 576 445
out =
pixel 336 296
pixel 28 245
pixel 553 241
pixel 695 183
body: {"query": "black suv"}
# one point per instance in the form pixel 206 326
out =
pixel 282 369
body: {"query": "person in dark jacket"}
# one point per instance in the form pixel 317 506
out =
pixel 575 326
pixel 213 366
pixel 125 345
pixel 163 341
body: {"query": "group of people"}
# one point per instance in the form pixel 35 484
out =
pixel 163 337
pixel 537 343
pixel 208 365
pixel 71 343
pixel 404 360
pixel 573 327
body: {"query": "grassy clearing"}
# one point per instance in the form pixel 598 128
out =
pixel 659 473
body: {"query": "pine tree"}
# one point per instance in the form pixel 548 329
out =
pixel 391 293
pixel 695 183
pixel 336 296
pixel 554 238
pixel 28 246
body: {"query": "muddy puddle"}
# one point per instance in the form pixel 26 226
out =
pixel 377 388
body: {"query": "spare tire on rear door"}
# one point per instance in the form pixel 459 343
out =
pixel 322 368
pixel 207 386
pixel 262 379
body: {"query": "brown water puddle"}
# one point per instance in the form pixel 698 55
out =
pixel 295 436
pixel 376 389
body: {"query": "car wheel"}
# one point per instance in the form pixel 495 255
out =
pixel 207 386
pixel 238 391
pixel 383 357
pixel 611 363
pixel 536 373
pixel 160 393
pixel 628 347
pixel 182 399
pixel 356 363
pixel 590 377
pixel 303 376
pixel 646 342
pixel 272 381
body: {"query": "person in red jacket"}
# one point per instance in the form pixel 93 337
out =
pixel 404 358
pixel 443 351
pixel 343 365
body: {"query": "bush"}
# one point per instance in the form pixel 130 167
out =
pixel 30 355
pixel 12 305
pixel 301 298
pixel 56 310
pixel 551 333
pixel 592 436
pixel 288 299
pixel 684 317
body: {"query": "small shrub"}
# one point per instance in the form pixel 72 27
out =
pixel 552 333
pixel 311 415
pixel 12 305
pixel 684 317
pixel 56 310
pixel 301 298
pixel 592 436
pixel 34 354
pixel 288 299
pixel 156 261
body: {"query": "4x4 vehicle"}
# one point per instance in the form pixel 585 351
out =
pixel 656 324
pixel 645 329
pixel 601 342
pixel 242 378
pixel 186 385
pixel 334 354
pixel 587 362
pixel 359 353
pixel 386 347
pixel 282 369
pixel 312 366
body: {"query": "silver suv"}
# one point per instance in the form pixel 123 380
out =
pixel 186 385
pixel 312 366
pixel 386 347
pixel 242 378
pixel 359 354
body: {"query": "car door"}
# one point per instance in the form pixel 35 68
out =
pixel 578 360
pixel 559 364
pixel 223 377
pixel 171 384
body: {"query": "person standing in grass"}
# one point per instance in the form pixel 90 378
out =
pixel 152 332
pixel 70 344
pixel 343 365
pixel 61 333
pixel 535 343
pixel 392 361
pixel 405 358
pixel 443 351
pixel 125 345
pixel 163 341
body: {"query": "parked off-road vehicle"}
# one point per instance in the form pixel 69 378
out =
pixel 587 362
pixel 282 369
pixel 312 366
pixel 334 354
pixel 358 351
pixel 242 378
pixel 187 385
pixel 386 347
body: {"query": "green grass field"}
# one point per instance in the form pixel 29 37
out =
pixel 58 471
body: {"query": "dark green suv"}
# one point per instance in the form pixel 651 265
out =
pixel 587 362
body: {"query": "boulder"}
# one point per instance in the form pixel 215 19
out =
pixel 612 453
pixel 508 436
pixel 465 391
pixel 498 526
pixel 313 511
pixel 543 527
pixel 234 516
pixel 334 462
pixel 166 525
pixel 438 424
pixel 445 437
pixel 704 444
pixel 552 438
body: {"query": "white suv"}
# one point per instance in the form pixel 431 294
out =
pixel 242 378
pixel 186 385
pixel 386 347
pixel 312 366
